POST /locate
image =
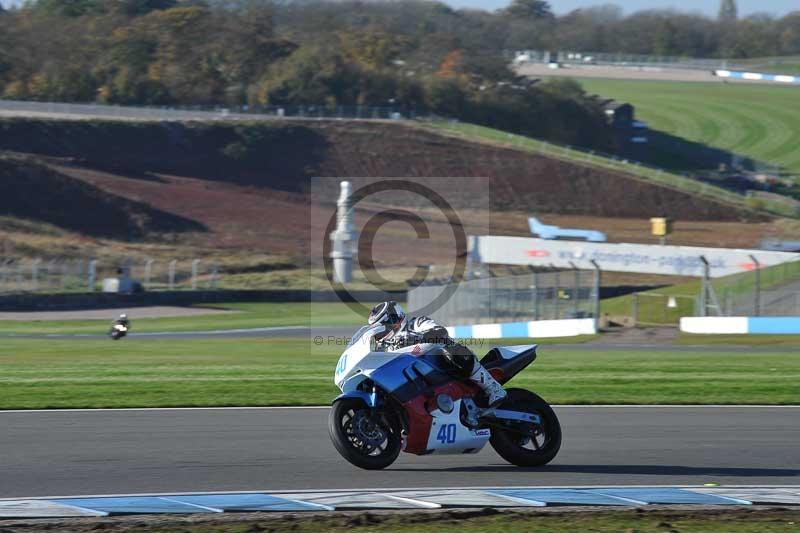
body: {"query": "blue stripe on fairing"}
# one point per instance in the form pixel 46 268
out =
pixel 462 332
pixel 514 329
pixel 785 325
pixel 390 376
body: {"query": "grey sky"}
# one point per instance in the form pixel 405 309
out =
pixel 708 7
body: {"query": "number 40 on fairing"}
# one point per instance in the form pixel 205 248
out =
pixel 447 434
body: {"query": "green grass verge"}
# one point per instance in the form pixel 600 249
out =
pixel 659 176
pixel 768 341
pixel 760 121
pixel 249 372
pixel 491 520
pixel 248 315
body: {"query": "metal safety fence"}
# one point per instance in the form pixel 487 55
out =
pixel 210 112
pixel 773 291
pixel 617 59
pixel 89 275
pixel 533 296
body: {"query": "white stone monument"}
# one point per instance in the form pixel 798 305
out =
pixel 344 239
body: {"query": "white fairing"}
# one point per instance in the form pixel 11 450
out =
pixel 449 436
pixel 357 362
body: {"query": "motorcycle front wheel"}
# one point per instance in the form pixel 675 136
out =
pixel 525 444
pixel 368 438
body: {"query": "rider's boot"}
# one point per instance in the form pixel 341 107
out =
pixel 494 391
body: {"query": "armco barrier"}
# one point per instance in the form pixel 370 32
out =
pixel 789 325
pixel 537 329
pixel 756 76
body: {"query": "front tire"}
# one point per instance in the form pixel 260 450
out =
pixel 368 438
pixel 528 444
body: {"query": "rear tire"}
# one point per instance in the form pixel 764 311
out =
pixel 519 449
pixel 367 438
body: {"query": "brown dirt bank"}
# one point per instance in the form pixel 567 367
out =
pixel 244 188
pixel 284 156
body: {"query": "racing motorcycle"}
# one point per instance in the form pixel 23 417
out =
pixel 406 400
pixel 117 331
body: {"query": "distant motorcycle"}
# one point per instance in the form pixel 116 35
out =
pixel 405 400
pixel 119 328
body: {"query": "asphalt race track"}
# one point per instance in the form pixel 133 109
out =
pixel 61 453
pixel 301 332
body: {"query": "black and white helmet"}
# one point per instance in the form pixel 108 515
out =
pixel 390 315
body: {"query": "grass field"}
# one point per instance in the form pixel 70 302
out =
pixel 250 372
pixel 760 121
pixel 249 315
pixel 668 179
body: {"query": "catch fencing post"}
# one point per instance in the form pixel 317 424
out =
pixel 51 270
pixel 92 275
pixel 704 287
pixel 575 289
pixel 35 274
pixel 556 296
pixel 596 294
pixel 709 297
pixel 195 263
pixel 172 265
pixel 148 269
pixel 757 294
pixel 212 283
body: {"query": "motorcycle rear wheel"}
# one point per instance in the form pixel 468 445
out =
pixel 537 448
pixel 368 438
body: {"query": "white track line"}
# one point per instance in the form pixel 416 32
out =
pixel 278 407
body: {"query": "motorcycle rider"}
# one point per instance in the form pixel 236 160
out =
pixel 122 321
pixel 401 331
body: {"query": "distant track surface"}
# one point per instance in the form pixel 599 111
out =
pixel 300 332
pixel 620 73
pixel 51 453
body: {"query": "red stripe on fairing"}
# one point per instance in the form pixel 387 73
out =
pixel 419 419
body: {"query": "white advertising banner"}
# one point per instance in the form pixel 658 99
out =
pixel 621 257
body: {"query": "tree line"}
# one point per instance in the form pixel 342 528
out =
pixel 409 54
